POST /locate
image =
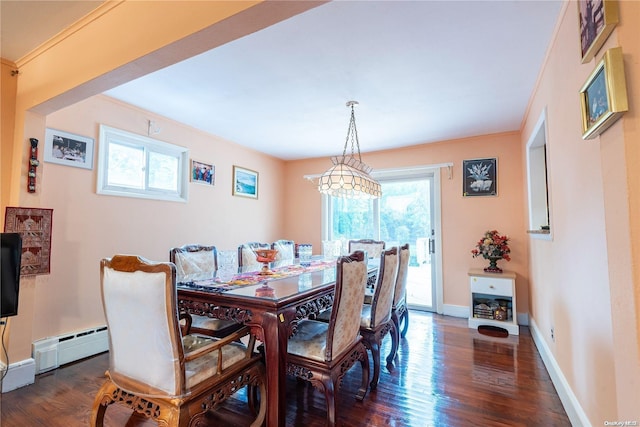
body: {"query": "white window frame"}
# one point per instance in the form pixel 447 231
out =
pixel 110 135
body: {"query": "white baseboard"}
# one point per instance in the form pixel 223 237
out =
pixel 574 410
pixel 455 310
pixel 20 374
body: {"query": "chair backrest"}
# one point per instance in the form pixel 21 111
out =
pixel 401 281
pixel 247 255
pixel 373 248
pixel 194 262
pixel 145 343
pixel 286 249
pixel 383 294
pixel 344 324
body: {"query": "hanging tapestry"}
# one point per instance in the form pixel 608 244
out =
pixel 34 225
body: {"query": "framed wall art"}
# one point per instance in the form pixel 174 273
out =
pixel 480 177
pixel 202 173
pixel 34 225
pixel 597 20
pixel 68 149
pixel 603 97
pixel 245 182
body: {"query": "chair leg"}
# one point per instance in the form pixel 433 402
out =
pixel 405 315
pixel 395 339
pixel 101 403
pixel 364 363
pixel 330 397
pixel 375 353
pixel 262 413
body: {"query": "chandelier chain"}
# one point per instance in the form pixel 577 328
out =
pixel 352 134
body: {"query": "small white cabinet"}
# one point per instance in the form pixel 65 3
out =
pixel 493 300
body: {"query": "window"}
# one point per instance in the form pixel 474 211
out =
pixel 133 165
pixel 538 186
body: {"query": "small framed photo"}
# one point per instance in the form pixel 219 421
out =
pixel 245 182
pixel 603 97
pixel 480 177
pixel 597 20
pixel 68 149
pixel 203 173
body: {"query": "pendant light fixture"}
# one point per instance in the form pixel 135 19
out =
pixel 349 177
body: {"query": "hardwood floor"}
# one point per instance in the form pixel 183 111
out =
pixel 445 375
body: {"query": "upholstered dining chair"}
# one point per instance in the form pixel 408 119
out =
pixel 399 310
pixel 196 262
pixel 322 353
pixel 376 321
pixel 373 248
pixel 156 371
pixel 247 255
pixel 286 249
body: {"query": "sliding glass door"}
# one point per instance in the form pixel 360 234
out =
pixel 404 214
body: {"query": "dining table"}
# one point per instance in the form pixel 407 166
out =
pixel 272 305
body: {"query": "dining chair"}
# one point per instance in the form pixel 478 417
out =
pixel 303 250
pixel 286 249
pixel 322 353
pixel 247 255
pixel 154 369
pixel 399 310
pixel 375 321
pixel 197 262
pixel 373 248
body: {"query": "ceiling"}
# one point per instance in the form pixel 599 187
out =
pixel 422 71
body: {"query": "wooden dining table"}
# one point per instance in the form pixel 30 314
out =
pixel 272 309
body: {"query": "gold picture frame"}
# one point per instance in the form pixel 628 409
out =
pixel 597 19
pixel 603 97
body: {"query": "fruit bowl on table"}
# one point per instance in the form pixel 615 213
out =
pixel 265 256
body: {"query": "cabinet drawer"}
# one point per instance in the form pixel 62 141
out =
pixel 491 286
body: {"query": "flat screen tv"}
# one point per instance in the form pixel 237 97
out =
pixel 10 273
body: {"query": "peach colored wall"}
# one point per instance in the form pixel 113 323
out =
pixel 88 226
pixel 149 36
pixel 464 220
pixel 581 281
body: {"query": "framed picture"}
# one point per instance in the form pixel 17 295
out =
pixel 480 177
pixel 597 20
pixel 65 148
pixel 202 173
pixel 603 97
pixel 245 182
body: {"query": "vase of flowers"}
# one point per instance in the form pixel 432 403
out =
pixel 494 247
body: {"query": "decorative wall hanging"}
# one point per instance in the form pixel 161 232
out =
pixel 245 182
pixel 603 97
pixel 480 177
pixel 65 148
pixel 33 164
pixel 34 225
pixel 203 173
pixel 597 20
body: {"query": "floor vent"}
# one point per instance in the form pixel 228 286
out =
pixel 49 353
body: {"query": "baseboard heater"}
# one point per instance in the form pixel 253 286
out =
pixel 52 352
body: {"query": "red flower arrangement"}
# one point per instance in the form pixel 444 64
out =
pixel 492 245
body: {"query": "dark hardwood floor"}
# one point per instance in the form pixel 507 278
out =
pixel 445 375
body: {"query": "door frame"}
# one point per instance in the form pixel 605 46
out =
pixel 436 258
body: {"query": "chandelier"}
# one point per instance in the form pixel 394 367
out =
pixel 349 176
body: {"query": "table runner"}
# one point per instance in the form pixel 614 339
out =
pixel 216 284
